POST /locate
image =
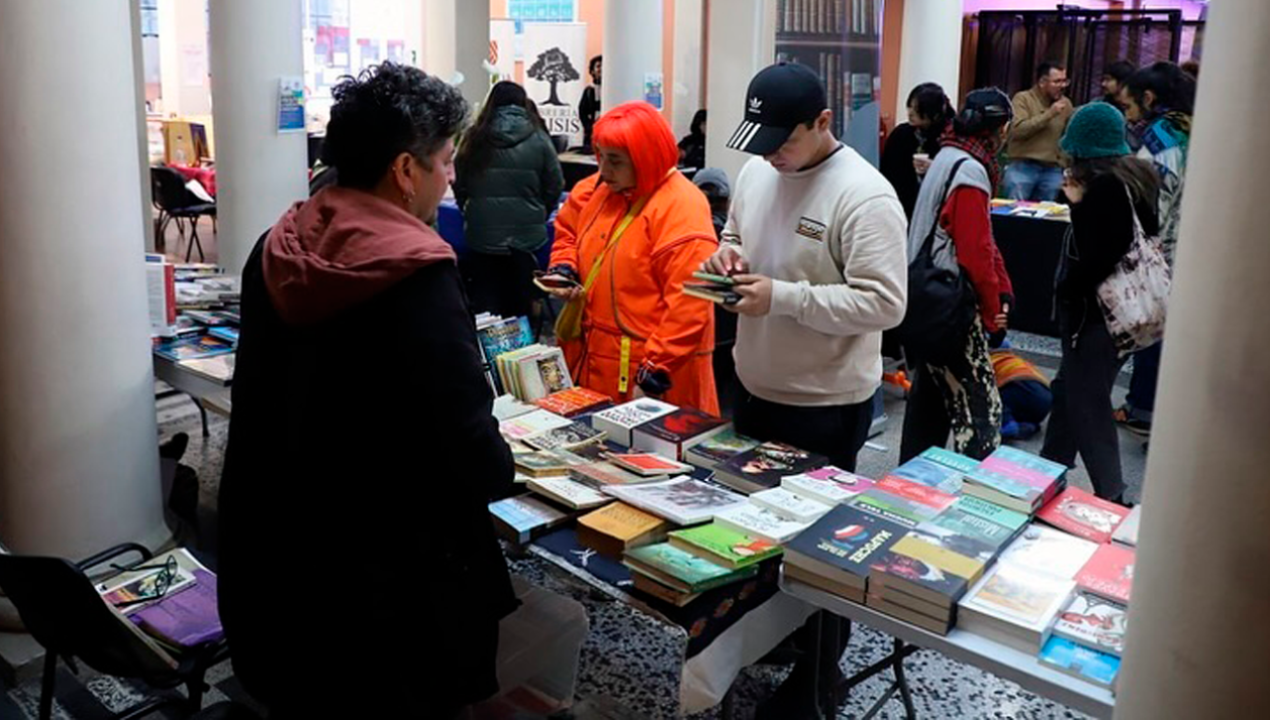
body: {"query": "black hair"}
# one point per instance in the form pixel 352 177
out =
pixel 1119 70
pixel 474 150
pixel 697 128
pixel 984 112
pixel 386 110
pixel 590 66
pixel 1044 69
pixel 932 103
pixel 1174 90
pixel 1140 176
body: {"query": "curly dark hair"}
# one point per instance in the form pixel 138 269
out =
pixel 386 110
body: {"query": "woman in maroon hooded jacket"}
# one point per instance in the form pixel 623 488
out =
pixel 362 451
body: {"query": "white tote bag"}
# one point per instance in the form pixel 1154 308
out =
pixel 1134 298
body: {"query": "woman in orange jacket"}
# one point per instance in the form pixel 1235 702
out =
pixel 630 239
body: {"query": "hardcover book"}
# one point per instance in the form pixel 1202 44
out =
pixel 1084 515
pixel 931 474
pixel 846 543
pixel 761 523
pixel 719 449
pixel 1046 550
pixel 1095 623
pixel 1079 661
pixel 670 435
pixel 683 570
pixel 724 546
pixel 764 466
pixel 791 506
pixel 683 501
pixel 1109 573
pixel 619 421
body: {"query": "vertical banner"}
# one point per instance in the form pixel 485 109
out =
pixel 555 74
pixel 502 48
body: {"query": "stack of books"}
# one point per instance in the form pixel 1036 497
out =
pixel 617 528
pixel 765 466
pixel 921 580
pixel 724 546
pixel 678 576
pixel 1018 599
pixel 496 335
pixel 523 519
pixel 533 372
pixel 1017 480
pixel 777 515
pixel 903 501
pixel 837 553
pixel 1087 639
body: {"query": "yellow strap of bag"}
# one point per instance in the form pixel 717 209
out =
pixel 569 322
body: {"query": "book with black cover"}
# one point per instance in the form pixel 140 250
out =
pixel 843 545
pixel 670 435
pixel 765 466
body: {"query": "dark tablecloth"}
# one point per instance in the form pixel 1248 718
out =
pixel 1031 248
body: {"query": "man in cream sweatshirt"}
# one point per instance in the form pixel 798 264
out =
pixel 815 241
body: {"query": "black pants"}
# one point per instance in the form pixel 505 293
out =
pixel 957 393
pixel 1082 421
pixel 500 284
pixel 835 431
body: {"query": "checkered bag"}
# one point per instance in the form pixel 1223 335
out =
pixel 1134 298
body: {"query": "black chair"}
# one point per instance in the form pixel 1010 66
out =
pixel 63 612
pixel 176 203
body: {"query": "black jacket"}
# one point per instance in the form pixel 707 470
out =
pixel 353 523
pixel 506 202
pixel 896 164
pixel 1101 232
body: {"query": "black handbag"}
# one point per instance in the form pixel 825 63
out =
pixel 941 302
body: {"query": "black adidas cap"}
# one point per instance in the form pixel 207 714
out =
pixel 780 98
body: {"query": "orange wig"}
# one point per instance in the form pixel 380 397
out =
pixel 640 131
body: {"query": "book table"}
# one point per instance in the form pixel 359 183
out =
pixel 203 391
pixel 970 648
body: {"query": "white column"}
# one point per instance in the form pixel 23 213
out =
pixel 689 32
pixel 742 41
pixel 632 48
pixel 143 142
pixel 79 464
pixel 456 41
pixel 183 58
pixel 930 50
pixel 259 171
pixel 1198 624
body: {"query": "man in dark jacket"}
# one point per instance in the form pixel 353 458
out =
pixel 362 451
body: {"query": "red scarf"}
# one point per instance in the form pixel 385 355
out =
pixel 979 147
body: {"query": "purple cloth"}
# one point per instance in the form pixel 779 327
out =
pixel 186 618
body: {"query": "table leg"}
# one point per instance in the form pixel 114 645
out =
pixel 202 411
pixel 906 695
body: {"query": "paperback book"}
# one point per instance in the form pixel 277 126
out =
pixel 1081 662
pixel 573 401
pixel 719 449
pixel 600 475
pixel 619 421
pixel 1046 550
pixel 790 506
pixel 843 546
pixel 618 527
pixel 533 423
pixel 522 519
pixel 927 571
pixel 931 474
pixel 760 522
pixel 766 465
pixel 1095 623
pixel 568 493
pixel 936 501
pixel 1009 492
pixel 565 437
pixel 682 570
pixel 828 485
pixel 1084 515
pixel 683 501
pixel 1014 605
pixel 541 464
pixel 965 534
pixel 648 464
pixel 670 435
pixel 1109 573
pixel 724 546
pixel 950 459
pixel 194 348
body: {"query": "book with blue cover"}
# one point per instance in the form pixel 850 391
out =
pixel 931 474
pixel 1027 460
pixel 226 333
pixel 948 458
pixel 1079 661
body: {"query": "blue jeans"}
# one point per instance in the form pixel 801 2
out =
pixel 1030 180
pixel 1146 375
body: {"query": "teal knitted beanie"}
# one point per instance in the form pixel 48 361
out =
pixel 1096 130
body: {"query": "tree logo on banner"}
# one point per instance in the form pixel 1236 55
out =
pixel 553 66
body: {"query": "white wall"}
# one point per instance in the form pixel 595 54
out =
pixel 689 29
pixel 184 62
pixel 930 50
pixel 632 48
pixel 742 42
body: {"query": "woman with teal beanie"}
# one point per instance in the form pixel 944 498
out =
pixel 1107 188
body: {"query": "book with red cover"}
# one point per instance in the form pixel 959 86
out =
pixel 670 435
pixel 1084 515
pixel 573 401
pixel 1109 573
pixel 936 500
pixel 649 464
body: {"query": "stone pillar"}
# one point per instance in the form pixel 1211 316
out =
pixel 632 49
pixel 742 41
pixel 930 50
pixel 79 463
pixel 1198 622
pixel 259 171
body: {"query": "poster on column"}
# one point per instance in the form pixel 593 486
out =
pixel 502 48
pixel 291 104
pixel 555 61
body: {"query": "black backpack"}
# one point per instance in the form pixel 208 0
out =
pixel 941 302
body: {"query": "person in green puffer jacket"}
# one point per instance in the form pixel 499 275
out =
pixel 507 183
